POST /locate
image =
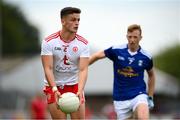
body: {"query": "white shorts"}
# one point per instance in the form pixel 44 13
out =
pixel 124 109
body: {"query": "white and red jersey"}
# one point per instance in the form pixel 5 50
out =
pixel 65 57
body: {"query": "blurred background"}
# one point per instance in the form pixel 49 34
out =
pixel 25 23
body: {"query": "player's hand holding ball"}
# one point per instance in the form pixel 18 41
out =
pixel 80 95
pixel 57 94
pixel 150 103
pixel 68 102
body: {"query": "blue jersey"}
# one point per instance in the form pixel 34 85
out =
pixel 128 71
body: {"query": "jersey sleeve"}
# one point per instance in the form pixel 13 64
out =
pixel 109 53
pixel 85 51
pixel 46 48
pixel 150 65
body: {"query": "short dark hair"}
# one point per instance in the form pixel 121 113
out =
pixel 69 10
pixel 133 27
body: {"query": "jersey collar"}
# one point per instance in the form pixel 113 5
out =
pixel 65 40
pixel 133 53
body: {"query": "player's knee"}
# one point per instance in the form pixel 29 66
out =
pixel 142 112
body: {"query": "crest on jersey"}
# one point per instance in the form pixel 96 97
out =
pixel 140 62
pixel 66 60
pixel 75 49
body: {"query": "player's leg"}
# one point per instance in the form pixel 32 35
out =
pixel 140 107
pixel 123 110
pixel 142 112
pixel 56 113
pixel 82 110
pixel 80 114
pixel 52 106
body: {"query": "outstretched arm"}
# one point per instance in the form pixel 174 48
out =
pixel 96 56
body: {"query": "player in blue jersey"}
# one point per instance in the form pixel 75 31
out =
pixel 130 96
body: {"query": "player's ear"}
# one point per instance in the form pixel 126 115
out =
pixel 127 36
pixel 62 21
pixel 140 37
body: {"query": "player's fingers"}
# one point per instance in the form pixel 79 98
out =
pixel 80 96
pixel 59 95
pixel 77 94
pixel 57 106
pixel 81 99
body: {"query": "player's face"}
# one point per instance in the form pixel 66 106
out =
pixel 133 39
pixel 71 22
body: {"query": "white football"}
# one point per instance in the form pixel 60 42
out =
pixel 68 102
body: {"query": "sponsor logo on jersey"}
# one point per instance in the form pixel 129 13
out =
pixel 127 72
pixel 121 58
pixel 62 68
pixel 57 48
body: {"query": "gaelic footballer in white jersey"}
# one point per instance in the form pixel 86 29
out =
pixel 66 57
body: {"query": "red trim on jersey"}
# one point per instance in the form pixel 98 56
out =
pixel 65 40
pixel 52 36
pixel 80 38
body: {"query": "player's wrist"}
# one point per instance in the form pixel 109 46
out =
pixel 54 88
pixel 150 102
pixel 80 91
pixel 150 97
